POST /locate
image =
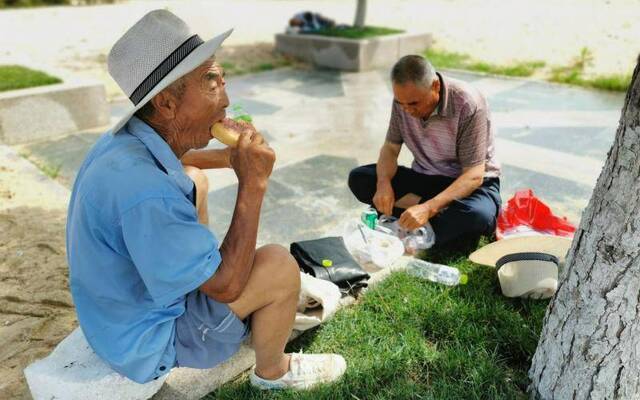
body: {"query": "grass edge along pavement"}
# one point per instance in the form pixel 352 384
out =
pixel 12 4
pixel 409 338
pixel 234 69
pixel 445 59
pixel 358 33
pixel 572 74
pixel 248 59
pixel 50 170
pixel 13 77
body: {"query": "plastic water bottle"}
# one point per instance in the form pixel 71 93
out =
pixel 438 273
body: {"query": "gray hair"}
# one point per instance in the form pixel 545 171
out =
pixel 415 69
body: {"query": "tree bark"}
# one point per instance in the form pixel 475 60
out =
pixel 589 347
pixel 361 13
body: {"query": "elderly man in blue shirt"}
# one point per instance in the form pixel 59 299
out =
pixel 152 287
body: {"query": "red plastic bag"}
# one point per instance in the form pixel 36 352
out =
pixel 525 214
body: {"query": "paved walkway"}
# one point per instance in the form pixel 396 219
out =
pixel 553 139
pixel 77 39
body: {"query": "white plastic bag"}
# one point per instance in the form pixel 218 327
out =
pixel 318 301
pixel 370 246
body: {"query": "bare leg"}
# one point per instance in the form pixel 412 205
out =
pixel 202 190
pixel 270 297
pixel 408 200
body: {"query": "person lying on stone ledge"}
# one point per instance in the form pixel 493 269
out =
pixel 152 287
pixel 454 181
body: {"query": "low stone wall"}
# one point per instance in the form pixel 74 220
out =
pixel 352 54
pixel 49 111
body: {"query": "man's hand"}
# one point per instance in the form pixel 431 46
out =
pixel 384 198
pixel 253 159
pixel 416 216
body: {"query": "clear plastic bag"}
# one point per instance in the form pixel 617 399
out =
pixel 371 246
pixel 420 239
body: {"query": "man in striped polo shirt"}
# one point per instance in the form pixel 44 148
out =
pixel 453 182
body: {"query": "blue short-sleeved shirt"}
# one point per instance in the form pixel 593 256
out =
pixel 135 249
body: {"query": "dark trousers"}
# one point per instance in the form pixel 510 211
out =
pixel 463 220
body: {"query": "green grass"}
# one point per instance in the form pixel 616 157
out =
pixel 234 69
pixel 31 3
pixel 574 74
pixel 412 339
pixel 358 33
pixel 16 77
pixel 614 82
pixel 42 3
pixel 52 171
pixel 444 59
pixel 523 68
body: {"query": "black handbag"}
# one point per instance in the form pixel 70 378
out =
pixel 329 259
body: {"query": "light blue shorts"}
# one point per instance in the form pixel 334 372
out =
pixel 208 332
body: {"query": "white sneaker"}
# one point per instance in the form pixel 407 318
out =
pixel 305 371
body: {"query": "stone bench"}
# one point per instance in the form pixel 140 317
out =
pixel 73 371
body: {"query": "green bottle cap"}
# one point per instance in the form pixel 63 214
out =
pixel 327 263
pixel 464 279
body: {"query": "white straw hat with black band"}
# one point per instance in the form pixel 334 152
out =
pixel 557 246
pixel 155 52
pixel 529 274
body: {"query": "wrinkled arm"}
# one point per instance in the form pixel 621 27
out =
pixel 252 161
pixel 387 162
pixel 238 248
pixel 207 158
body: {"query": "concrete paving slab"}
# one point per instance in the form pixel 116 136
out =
pixel 589 141
pixel 583 170
pixel 552 138
pixel 304 201
pixel 542 96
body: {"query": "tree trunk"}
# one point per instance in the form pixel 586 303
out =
pixel 589 347
pixel 361 13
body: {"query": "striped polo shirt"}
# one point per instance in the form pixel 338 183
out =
pixel 457 135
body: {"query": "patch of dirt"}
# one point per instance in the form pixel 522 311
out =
pixel 36 310
pixel 241 59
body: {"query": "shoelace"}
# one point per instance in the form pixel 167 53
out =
pixel 309 367
pixel 297 361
